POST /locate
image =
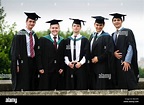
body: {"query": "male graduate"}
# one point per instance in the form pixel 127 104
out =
pixel 52 49
pixel 101 56
pixel 24 56
pixel 125 54
pixel 77 47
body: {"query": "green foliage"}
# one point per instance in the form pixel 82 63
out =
pixel 42 33
pixel 141 72
pixel 6 34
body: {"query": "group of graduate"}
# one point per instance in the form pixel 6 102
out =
pixel 51 62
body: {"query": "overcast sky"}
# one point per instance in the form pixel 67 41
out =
pixel 82 9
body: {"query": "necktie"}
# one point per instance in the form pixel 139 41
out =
pixel 55 43
pixel 95 36
pixel 31 46
pixel 74 53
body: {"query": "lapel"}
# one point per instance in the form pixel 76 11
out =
pixel 91 37
pixel 118 35
pixel 59 40
pixel 97 39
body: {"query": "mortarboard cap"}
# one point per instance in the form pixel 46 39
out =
pixel 54 21
pixel 77 21
pixel 99 19
pixel 118 15
pixel 32 15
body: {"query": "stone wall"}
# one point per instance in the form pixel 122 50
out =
pixel 5 89
pixel 138 92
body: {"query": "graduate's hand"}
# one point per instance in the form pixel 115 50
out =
pixel 17 69
pixel 71 65
pixel 78 65
pixel 95 60
pixel 41 71
pixel 117 54
pixel 60 71
pixel 126 66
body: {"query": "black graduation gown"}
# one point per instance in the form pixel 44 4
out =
pixel 26 78
pixel 129 79
pixel 51 61
pixel 76 79
pixel 103 73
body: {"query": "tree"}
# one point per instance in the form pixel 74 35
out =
pixel 6 35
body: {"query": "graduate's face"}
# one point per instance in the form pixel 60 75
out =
pixel 30 23
pixel 76 28
pixel 99 27
pixel 55 28
pixel 117 22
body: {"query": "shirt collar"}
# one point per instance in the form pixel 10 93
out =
pixel 28 31
pixel 51 35
pixel 120 28
pixel 78 36
pixel 99 33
